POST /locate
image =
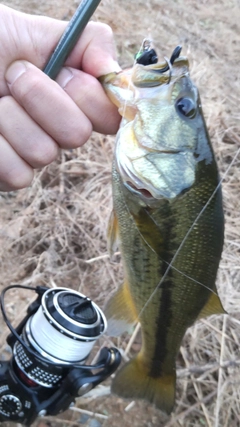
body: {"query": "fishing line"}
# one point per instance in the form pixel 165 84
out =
pixel 142 48
pixel 146 44
pixel 162 259
pixel 189 231
pixel 169 264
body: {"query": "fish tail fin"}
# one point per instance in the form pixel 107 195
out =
pixel 120 312
pixel 132 381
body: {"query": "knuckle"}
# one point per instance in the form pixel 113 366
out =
pixel 85 133
pixel 6 102
pixel 79 134
pixel 106 30
pixel 102 29
pixel 44 155
pixel 30 90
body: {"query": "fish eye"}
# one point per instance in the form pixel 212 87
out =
pixel 186 107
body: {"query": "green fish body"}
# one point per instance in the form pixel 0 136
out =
pixel 168 220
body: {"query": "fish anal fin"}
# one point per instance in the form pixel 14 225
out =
pixel 121 312
pixel 132 381
pixel 112 234
pixel 213 306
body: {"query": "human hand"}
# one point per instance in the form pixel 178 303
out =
pixel 39 115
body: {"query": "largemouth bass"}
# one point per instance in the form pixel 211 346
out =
pixel 167 218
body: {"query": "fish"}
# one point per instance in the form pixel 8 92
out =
pixel 167 221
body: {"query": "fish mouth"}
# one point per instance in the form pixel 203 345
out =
pixel 142 191
pixel 134 184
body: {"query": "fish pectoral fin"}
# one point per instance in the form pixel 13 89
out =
pixel 213 306
pixel 132 381
pixel 112 234
pixel 149 230
pixel 121 312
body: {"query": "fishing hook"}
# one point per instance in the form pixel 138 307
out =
pixel 170 62
pixel 169 68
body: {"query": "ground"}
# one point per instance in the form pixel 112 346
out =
pixel 52 233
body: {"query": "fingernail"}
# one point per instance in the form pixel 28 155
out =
pixel 116 67
pixel 15 70
pixel 64 77
pixel 110 66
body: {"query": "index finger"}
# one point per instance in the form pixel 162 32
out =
pixel 95 52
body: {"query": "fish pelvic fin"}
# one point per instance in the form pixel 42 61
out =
pixel 112 234
pixel 132 381
pixel 213 306
pixel 121 312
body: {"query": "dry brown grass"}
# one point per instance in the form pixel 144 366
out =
pixel 54 232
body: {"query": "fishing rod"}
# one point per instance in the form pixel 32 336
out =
pixel 70 36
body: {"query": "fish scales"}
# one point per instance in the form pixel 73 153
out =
pixel 169 279
pixel 145 268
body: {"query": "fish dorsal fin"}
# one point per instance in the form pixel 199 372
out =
pixel 121 312
pixel 213 306
pixel 112 234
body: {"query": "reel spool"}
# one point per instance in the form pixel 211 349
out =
pixel 62 331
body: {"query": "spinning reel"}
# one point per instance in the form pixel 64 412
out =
pixel 47 370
